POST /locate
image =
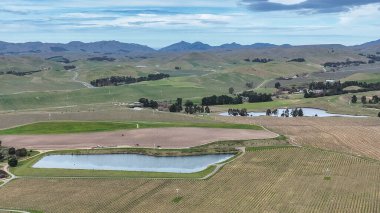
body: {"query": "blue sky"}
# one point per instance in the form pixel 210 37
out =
pixel 159 23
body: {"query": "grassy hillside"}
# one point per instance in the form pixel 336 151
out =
pixel 364 77
pixel 168 89
pixel 202 74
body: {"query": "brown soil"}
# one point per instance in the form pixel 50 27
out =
pixel 163 137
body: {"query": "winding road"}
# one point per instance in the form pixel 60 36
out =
pixel 75 79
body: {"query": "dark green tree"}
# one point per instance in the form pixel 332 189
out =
pixel 243 112
pixel 364 100
pixel 354 99
pixel 11 151
pixel 277 85
pixel 173 108
pixel 12 162
pixel 231 90
pixel 295 112
pixel 179 104
pixel 207 110
pixel 249 85
pixel 375 100
pixel 189 103
pixel 300 112
pixel 21 152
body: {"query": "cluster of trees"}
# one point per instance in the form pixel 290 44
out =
pixel 343 64
pixel 177 106
pixel 19 73
pixel 261 60
pixel 375 99
pixel 103 58
pixel 297 60
pixel 249 85
pixel 374 57
pixel 286 113
pixel 251 96
pixel 69 67
pixel 254 97
pixel 295 113
pixel 190 107
pixel 60 59
pixel 337 88
pixel 338 85
pixel 221 100
pixel 149 103
pixel 178 68
pixel 12 155
pixel 236 112
pixel 119 80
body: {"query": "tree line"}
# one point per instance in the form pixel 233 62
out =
pixel 251 96
pixel 190 107
pixel 375 99
pixel 19 73
pixel 337 88
pixel 236 112
pixel 300 60
pixel 297 112
pixel 103 58
pixel 343 64
pixel 120 80
pixel 149 103
pixel 259 60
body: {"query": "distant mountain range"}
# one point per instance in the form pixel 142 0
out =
pixel 124 48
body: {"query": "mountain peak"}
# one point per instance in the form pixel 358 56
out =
pixel 186 46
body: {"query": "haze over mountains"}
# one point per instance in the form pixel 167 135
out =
pixel 119 47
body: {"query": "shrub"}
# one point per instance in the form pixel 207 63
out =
pixel 11 151
pixel 21 152
pixel 12 162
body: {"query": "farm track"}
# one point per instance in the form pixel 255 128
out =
pixel 85 84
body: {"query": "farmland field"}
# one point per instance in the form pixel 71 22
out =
pixel 358 136
pixel 267 106
pixel 276 180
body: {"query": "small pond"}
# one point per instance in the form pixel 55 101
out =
pixel 132 162
pixel 308 112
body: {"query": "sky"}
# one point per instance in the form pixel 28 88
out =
pixel 158 23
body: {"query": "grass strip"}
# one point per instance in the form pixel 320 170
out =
pixel 79 127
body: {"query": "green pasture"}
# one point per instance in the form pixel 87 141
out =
pixel 77 127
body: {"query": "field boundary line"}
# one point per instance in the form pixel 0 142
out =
pixel 14 210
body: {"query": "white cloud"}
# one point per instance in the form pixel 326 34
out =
pixel 287 2
pixel 154 20
pixel 86 15
pixel 361 14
